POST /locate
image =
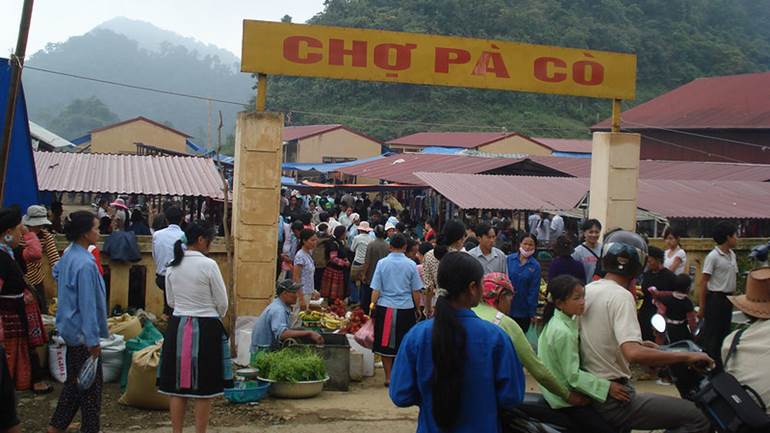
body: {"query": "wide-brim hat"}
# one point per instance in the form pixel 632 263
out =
pixel 756 301
pixel 389 226
pixel 364 227
pixel 36 216
pixel 119 203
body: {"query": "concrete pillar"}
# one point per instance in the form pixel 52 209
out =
pixel 256 194
pixel 614 178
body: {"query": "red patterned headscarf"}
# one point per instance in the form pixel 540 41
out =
pixel 494 285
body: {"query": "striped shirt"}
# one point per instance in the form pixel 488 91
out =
pixel 34 275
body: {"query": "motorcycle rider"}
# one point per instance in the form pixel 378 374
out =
pixel 610 322
pixel 752 352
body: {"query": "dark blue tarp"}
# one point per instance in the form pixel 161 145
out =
pixel 21 178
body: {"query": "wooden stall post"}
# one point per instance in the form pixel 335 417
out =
pixel 256 189
pixel 614 177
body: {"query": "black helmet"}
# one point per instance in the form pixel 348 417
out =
pixel 624 253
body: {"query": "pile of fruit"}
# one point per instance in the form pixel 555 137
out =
pixel 338 308
pixel 356 320
pixel 320 319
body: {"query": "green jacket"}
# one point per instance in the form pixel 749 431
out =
pixel 524 350
pixel 559 349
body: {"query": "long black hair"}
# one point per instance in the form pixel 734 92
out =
pixel 452 232
pixel 456 272
pixel 192 232
pixel 77 224
pixel 559 289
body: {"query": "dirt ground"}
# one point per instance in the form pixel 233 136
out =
pixel 365 407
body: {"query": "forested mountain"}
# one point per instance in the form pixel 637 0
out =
pixel 137 59
pixel 675 40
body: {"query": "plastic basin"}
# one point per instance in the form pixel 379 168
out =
pixel 306 389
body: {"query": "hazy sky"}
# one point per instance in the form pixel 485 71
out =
pixel 211 21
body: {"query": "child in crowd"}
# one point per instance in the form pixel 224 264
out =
pixel 559 349
pixel 678 310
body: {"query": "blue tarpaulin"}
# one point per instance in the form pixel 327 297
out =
pixel 21 177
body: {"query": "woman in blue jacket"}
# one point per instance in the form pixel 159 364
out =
pixel 460 370
pixel 524 272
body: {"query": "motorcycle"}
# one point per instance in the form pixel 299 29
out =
pixel 730 406
pixel 534 415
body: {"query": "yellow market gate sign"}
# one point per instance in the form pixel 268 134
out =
pixel 372 55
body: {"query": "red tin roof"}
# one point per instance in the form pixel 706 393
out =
pixel 291 133
pixel 729 102
pixel 669 198
pixel 128 174
pixel 465 140
pixel 400 168
pixel 572 145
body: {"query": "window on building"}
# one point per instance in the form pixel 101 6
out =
pixel 336 159
pixel 290 151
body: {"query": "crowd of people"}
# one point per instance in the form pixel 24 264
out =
pixel 408 271
pixel 452 305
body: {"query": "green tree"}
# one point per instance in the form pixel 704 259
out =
pixel 82 116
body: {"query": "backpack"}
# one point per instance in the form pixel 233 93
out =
pixel 319 253
pixel 732 407
pixel 598 272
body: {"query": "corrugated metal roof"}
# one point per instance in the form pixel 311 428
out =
pixel 669 198
pixel 678 170
pixel 299 132
pixel 400 168
pixel 571 145
pixel 41 134
pixel 480 191
pixel 322 167
pixel 465 140
pixel 729 102
pixel 128 174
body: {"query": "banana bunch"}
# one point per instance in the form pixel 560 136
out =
pixel 332 322
pixel 311 316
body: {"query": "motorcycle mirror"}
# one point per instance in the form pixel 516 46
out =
pixel 659 323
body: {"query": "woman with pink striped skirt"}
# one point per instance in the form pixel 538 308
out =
pixel 195 361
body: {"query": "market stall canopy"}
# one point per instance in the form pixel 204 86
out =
pixel 400 168
pixel 667 198
pixel 128 174
pixel 326 167
pixel 679 170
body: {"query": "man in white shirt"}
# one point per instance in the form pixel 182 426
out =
pixel 359 246
pixel 718 281
pixel 163 250
pixel 534 223
pixel 544 231
pixel 608 324
pixel 557 226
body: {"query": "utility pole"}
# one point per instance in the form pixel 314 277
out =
pixel 17 61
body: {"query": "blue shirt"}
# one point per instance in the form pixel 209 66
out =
pixel 395 278
pixel 269 326
pixel 526 284
pixel 81 317
pixel 492 379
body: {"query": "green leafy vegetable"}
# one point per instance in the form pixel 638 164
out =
pixel 291 365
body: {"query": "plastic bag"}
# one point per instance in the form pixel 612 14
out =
pixel 57 359
pixel 365 335
pixel 112 357
pixel 87 373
